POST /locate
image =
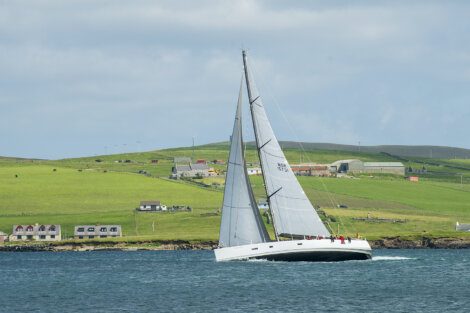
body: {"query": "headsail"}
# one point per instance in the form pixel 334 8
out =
pixel 292 212
pixel 241 221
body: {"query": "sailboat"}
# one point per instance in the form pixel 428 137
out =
pixel 300 234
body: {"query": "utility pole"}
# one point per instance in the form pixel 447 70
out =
pixel 192 157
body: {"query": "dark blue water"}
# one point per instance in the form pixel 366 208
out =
pixel 191 281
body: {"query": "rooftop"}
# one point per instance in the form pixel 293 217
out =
pixel 189 167
pixel 383 164
pixel 150 202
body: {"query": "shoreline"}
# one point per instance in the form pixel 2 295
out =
pixel 171 245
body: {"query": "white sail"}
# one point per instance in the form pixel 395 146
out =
pixel 241 221
pixel 292 212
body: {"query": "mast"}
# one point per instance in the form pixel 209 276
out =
pixel 258 149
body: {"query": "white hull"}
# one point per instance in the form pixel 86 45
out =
pixel 298 250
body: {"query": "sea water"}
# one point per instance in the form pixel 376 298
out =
pixel 191 281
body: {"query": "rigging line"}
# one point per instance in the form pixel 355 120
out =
pixel 291 129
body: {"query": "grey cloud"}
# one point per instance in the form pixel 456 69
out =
pixel 80 75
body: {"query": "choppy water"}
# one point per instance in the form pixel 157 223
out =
pixel 191 281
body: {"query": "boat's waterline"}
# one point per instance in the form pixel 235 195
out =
pixel 298 250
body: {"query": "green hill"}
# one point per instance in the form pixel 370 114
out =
pixel 437 152
pixel 106 189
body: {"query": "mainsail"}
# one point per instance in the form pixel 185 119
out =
pixel 292 212
pixel 241 221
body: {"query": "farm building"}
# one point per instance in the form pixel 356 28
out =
pixel 254 171
pixel 311 169
pixel 384 167
pixel 154 205
pixel 96 231
pixel 192 170
pixel 3 237
pixel 348 166
pixel 36 232
pixel 462 227
pixel 357 166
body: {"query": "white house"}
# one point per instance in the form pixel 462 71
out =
pixel 97 231
pixel 154 205
pixel 192 170
pixel 36 232
pixel 254 171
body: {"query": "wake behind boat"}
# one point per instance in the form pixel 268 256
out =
pixel 300 233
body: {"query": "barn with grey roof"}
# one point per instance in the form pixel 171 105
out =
pixel 357 166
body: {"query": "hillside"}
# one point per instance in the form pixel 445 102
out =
pixel 46 194
pixel 432 152
pixel 106 189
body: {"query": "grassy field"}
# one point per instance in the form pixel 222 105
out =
pixel 100 190
pixel 69 197
pixel 429 208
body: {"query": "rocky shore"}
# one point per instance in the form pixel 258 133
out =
pixel 423 243
pixel 110 246
pixel 385 243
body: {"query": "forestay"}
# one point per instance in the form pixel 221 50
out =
pixel 241 221
pixel 292 212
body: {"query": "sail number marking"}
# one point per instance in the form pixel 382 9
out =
pixel 282 167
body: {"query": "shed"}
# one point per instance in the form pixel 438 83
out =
pixel 3 237
pixel 462 227
pixel 254 171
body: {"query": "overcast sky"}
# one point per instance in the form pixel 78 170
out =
pixel 92 77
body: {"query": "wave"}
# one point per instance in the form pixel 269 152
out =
pixel 391 258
